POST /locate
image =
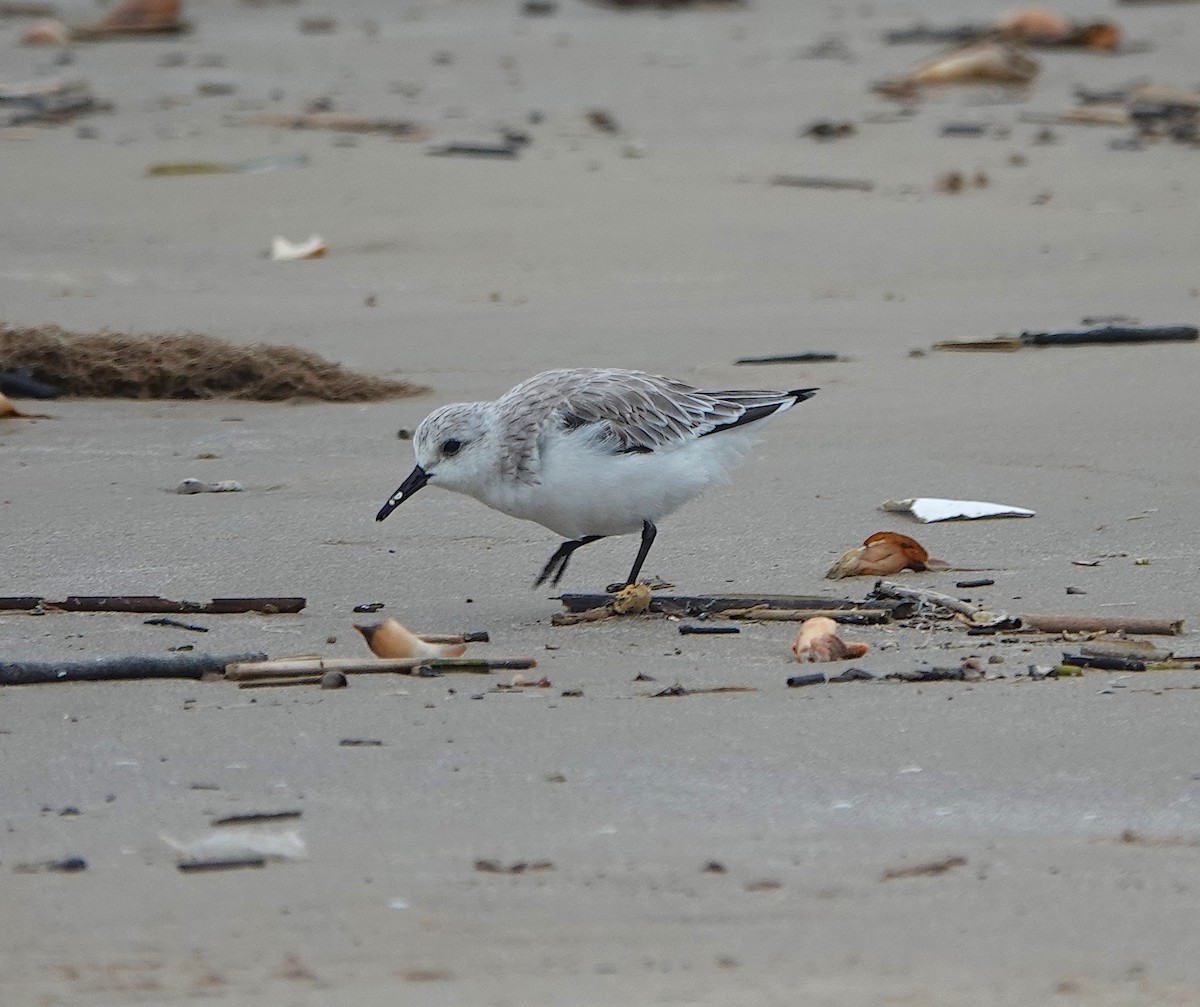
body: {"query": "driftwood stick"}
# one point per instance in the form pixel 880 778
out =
pixel 314 666
pixel 474 636
pixel 889 589
pixel 112 669
pixel 695 604
pixel 1044 623
pixel 152 603
pixel 587 615
pixel 857 617
pixel 1113 334
pixel 398 129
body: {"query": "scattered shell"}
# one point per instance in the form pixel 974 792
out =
pixel 817 640
pixel 8 410
pixel 390 639
pixel 1039 26
pixel 978 63
pixel 882 554
pixel 236 844
pixel 632 599
pixel 138 16
pixel 199 486
pixel 283 250
pixel 45 31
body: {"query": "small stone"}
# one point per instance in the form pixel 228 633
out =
pixel 333 680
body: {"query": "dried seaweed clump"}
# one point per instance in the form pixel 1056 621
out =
pixel 184 366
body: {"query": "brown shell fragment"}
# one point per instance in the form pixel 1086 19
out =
pixel 390 639
pixel 983 62
pixel 882 554
pixel 817 640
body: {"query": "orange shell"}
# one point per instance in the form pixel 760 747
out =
pixel 817 640
pixel 390 639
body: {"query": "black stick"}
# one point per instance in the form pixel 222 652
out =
pixel 113 669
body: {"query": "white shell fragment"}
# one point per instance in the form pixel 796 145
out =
pixel 199 486
pixel 927 509
pixel 283 250
pixel 235 845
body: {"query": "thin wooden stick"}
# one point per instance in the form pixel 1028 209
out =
pixel 310 667
pixel 858 616
pixel 1101 623
pixel 695 604
pixel 889 589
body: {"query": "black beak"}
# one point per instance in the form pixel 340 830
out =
pixel 417 478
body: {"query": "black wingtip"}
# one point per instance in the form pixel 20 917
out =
pixel 801 394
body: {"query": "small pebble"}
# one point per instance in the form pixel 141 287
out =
pixel 333 680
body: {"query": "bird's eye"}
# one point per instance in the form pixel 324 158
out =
pixel 451 447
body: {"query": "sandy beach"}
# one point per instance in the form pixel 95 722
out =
pixel 747 848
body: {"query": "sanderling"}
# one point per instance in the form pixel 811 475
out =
pixel 589 452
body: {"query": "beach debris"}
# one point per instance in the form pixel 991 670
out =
pixel 184 366
pixel 22 384
pixel 1071 623
pixel 1106 334
pixel 883 554
pixel 975 615
pixel 705 629
pixel 749 606
pixel 679 690
pixel 9 411
pixel 132 667
pixel 1103 662
pixel 390 639
pixel 976 582
pixel 361 743
pixel 317 25
pixel 230 849
pixel 955 181
pixel 136 17
pixel 269 605
pixel 930 869
pixel 829 129
pixel 1123 647
pixel 817 640
pixel 986 61
pixel 632 599
pixel 59 865
pixel 539 8
pixel 799 681
pixel 397 129
pixel 252 166
pixel 163 620
pixel 256 817
pixel 930 509
pixel 520 867
pixel 45 31
pixel 504 148
pixel 49 100
pixel 333 680
pixel 283 250
pixel 520 681
pixel 853 675
pixel 190 486
pixel 822 182
pixel 1039 26
pixel 792 358
pixel 314 667
pixel 369 607
pixel 969 670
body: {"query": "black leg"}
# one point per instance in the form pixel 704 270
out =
pixel 648 533
pixel 556 566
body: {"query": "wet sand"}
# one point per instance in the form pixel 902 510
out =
pixel 679 260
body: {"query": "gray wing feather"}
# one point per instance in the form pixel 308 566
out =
pixel 626 410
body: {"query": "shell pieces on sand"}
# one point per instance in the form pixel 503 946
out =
pixel 978 63
pixel 1041 26
pixel 45 31
pixel 632 599
pixel 283 250
pixel 883 554
pixel 241 843
pixel 817 640
pixel 8 410
pixel 390 639
pixel 138 16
